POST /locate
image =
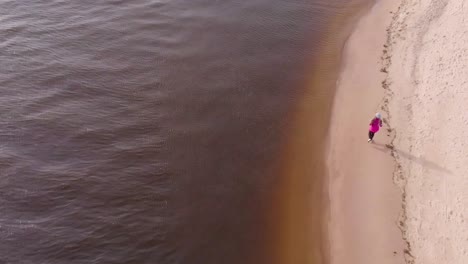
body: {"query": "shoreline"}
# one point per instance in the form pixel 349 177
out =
pixel 302 212
pixel 403 199
pixel 365 204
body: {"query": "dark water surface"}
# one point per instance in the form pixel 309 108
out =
pixel 149 131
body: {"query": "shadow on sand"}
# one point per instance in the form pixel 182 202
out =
pixel 419 160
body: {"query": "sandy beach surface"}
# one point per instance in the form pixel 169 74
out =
pixel 364 202
pixel 427 92
pixel 404 198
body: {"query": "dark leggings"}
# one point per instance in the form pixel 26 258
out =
pixel 371 135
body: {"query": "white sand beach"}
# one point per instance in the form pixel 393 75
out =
pixel 403 199
pixel 428 103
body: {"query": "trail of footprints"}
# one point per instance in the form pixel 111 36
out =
pixel 394 33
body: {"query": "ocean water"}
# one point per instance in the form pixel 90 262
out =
pixel 151 131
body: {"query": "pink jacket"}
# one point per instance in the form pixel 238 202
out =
pixel 375 125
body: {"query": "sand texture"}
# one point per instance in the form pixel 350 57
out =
pixel 403 199
pixel 426 57
pixel 365 204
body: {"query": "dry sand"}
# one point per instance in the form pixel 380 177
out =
pixel 404 198
pixel 428 103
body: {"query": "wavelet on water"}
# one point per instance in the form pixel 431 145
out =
pixel 165 132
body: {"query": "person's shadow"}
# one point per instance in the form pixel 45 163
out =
pixel 419 160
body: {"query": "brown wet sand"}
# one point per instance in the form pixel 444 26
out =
pixel 144 131
pixel 301 203
pixel 142 142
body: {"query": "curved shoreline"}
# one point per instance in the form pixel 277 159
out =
pixel 364 202
pixel 407 193
pixel 301 202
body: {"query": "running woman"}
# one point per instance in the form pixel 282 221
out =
pixel 374 126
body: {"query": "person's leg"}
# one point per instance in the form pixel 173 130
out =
pixel 371 135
